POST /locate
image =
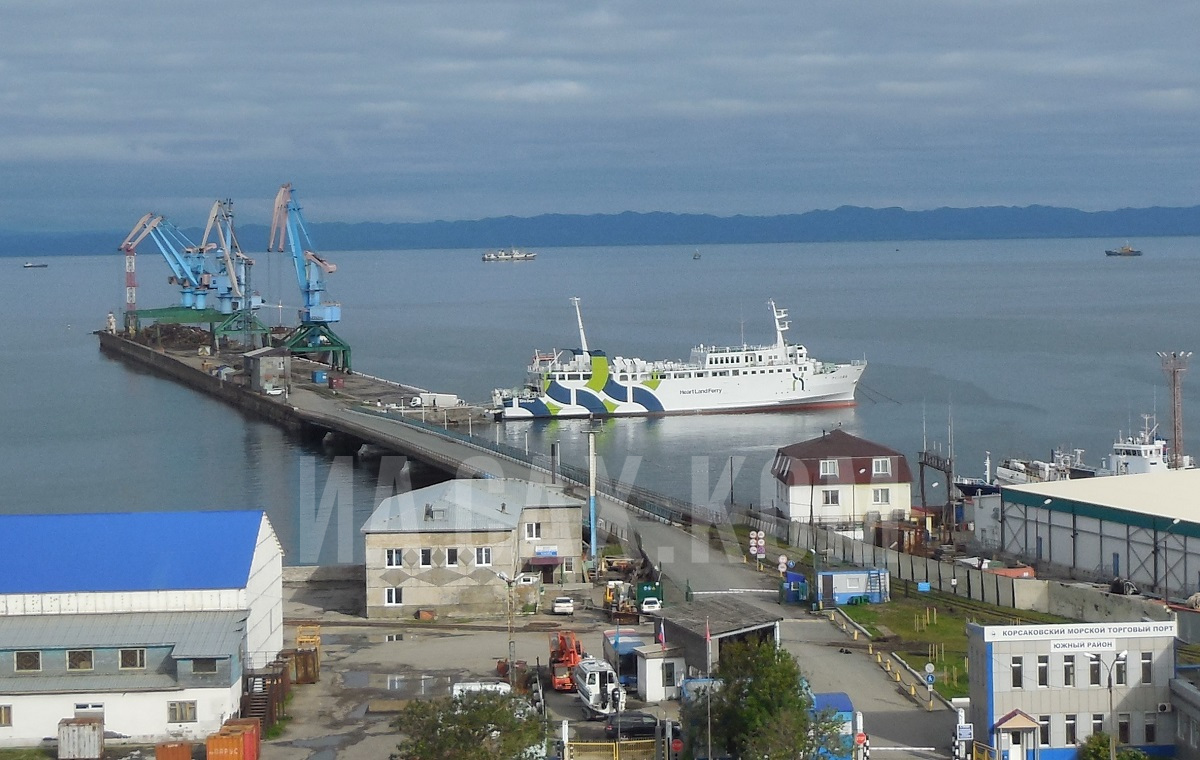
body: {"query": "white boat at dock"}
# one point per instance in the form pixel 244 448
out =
pixel 1131 455
pixel 509 254
pixel 588 383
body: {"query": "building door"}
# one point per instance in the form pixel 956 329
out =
pixel 1015 751
pixel 827 588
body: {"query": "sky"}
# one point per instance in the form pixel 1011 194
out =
pixel 412 111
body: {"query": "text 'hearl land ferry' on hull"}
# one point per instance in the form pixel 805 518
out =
pixel 588 383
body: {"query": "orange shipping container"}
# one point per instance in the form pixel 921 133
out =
pixel 173 751
pixel 251 727
pixel 225 747
pixel 254 724
pixel 247 737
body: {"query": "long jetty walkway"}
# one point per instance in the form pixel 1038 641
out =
pixel 692 545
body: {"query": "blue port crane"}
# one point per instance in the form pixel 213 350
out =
pixel 313 336
pixel 232 277
pixel 186 260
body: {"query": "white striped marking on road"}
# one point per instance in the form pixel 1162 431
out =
pixel 903 749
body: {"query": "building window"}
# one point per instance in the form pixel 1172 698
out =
pixel 1095 671
pixel 881 466
pixel 1151 728
pixel 1097 723
pixel 181 712
pixel 5 715
pixel 1121 673
pixel 568 564
pixel 204 665
pixel 1123 728
pixel 1072 737
pixel 1147 667
pixel 882 496
pixel 133 659
pixel 1043 670
pixel 532 531
pixel 483 556
pixel 1044 730
pixel 79 659
pixel 830 497
pixel 393 596
pixel 28 662
pixel 668 674
pixel 829 468
pixel 452 557
pixel 427 558
pixel 395 557
pixel 1016 672
pixel 1069 672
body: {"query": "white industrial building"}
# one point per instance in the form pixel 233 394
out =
pixel 1038 691
pixel 147 620
pixel 1142 528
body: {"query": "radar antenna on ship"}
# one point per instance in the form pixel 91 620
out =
pixel 579 318
pixel 782 324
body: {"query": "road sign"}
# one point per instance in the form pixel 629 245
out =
pixel 677 745
pixel 783 559
pixel 965 732
pixel 929 678
pixel 860 739
pixel 782 567
pixel 929 667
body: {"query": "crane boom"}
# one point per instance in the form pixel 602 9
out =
pixel 290 233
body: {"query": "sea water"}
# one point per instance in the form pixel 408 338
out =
pixel 1017 347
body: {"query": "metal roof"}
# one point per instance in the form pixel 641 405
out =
pixel 129 551
pixel 465 505
pixel 1146 498
pixel 723 616
pixel 857 455
pixel 81 683
pixel 190 634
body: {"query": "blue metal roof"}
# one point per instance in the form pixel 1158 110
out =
pixel 129 551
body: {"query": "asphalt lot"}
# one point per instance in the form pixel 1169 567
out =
pixel 369 669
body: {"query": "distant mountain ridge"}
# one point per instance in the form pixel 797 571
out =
pixel 844 224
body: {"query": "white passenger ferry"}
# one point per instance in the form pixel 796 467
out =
pixel 587 383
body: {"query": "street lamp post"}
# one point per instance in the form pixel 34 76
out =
pixel 1112 715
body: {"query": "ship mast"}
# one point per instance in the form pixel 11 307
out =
pixel 781 322
pixel 579 318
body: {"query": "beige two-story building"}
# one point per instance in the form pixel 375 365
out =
pixel 464 546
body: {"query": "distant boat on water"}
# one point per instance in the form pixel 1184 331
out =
pixel 696 255
pixel 1125 250
pixel 31 265
pixel 509 254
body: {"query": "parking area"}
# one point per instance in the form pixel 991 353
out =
pixel 370 670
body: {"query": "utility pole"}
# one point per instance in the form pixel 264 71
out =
pixel 1174 364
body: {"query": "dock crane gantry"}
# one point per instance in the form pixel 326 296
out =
pixel 314 334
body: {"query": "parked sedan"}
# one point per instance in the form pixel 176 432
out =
pixel 651 604
pixel 632 725
pixel 563 605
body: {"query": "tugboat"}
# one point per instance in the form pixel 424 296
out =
pixel 1125 250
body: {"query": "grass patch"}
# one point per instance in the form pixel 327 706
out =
pixel 931 627
pixel 25 754
pixel 276 731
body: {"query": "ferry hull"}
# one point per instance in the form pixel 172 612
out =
pixel 560 400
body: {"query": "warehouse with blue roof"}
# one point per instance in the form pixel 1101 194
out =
pixel 149 620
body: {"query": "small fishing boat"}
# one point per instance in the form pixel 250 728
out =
pixel 1125 250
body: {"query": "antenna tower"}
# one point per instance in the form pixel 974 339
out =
pixel 1174 364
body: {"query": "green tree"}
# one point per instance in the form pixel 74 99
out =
pixel 478 726
pixel 760 709
pixel 1095 747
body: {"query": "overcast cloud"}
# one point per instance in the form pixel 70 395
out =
pixel 413 111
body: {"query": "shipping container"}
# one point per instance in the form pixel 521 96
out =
pixel 254 725
pixel 224 747
pixel 337 382
pixel 81 738
pixel 306 666
pixel 247 736
pixel 173 751
pixel 438 399
pixel 320 376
